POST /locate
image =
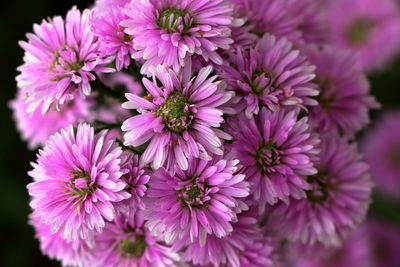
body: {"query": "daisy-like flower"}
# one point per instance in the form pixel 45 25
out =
pixel 166 32
pixel 245 246
pixel 337 201
pixel 277 151
pixel 344 99
pixel 77 178
pixel 136 180
pixel 112 38
pixel 382 151
pixel 59 61
pixel 52 245
pixel 272 75
pixel 36 128
pixel 126 242
pixel 192 204
pixel 369 29
pixel 179 116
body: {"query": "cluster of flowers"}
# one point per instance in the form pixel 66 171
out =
pixel 200 132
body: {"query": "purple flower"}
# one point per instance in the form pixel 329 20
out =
pixel 166 32
pixel 136 180
pixel 77 178
pixel 59 61
pixel 272 75
pixel 369 28
pixel 245 246
pixel 382 151
pixel 36 128
pixel 337 201
pixel 71 253
pixel 344 99
pixel 178 117
pixel 126 242
pixel 112 38
pixel 277 151
pixel 201 201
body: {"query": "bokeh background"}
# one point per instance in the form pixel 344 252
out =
pixel 17 244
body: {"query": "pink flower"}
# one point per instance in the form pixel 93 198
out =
pixel 126 242
pixel 77 179
pixel 59 61
pixel 272 75
pixel 337 201
pixel 370 29
pixel 167 32
pixel 36 128
pixel 191 205
pixel 277 151
pixel 179 117
pixel 344 99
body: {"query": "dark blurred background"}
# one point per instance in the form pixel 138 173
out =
pixel 17 244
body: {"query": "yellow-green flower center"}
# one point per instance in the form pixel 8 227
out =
pixel 359 31
pixel 130 249
pixel 174 20
pixel 176 112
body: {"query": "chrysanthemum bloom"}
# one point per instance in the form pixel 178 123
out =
pixel 201 201
pixel 367 27
pixel 272 75
pixel 59 61
pixel 277 151
pixel 71 253
pixel 382 151
pixel 77 178
pixel 166 32
pixel 136 180
pixel 36 128
pixel 344 99
pixel 245 246
pixel 112 38
pixel 126 242
pixel 337 201
pixel 179 117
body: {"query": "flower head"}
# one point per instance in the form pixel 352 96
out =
pixel 382 151
pixel 369 29
pixel 337 201
pixel 179 116
pixel 277 151
pixel 272 74
pixel 36 128
pixel 77 178
pixel 344 99
pixel 59 61
pixel 201 201
pixel 69 253
pixel 126 242
pixel 166 32
pixel 113 41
